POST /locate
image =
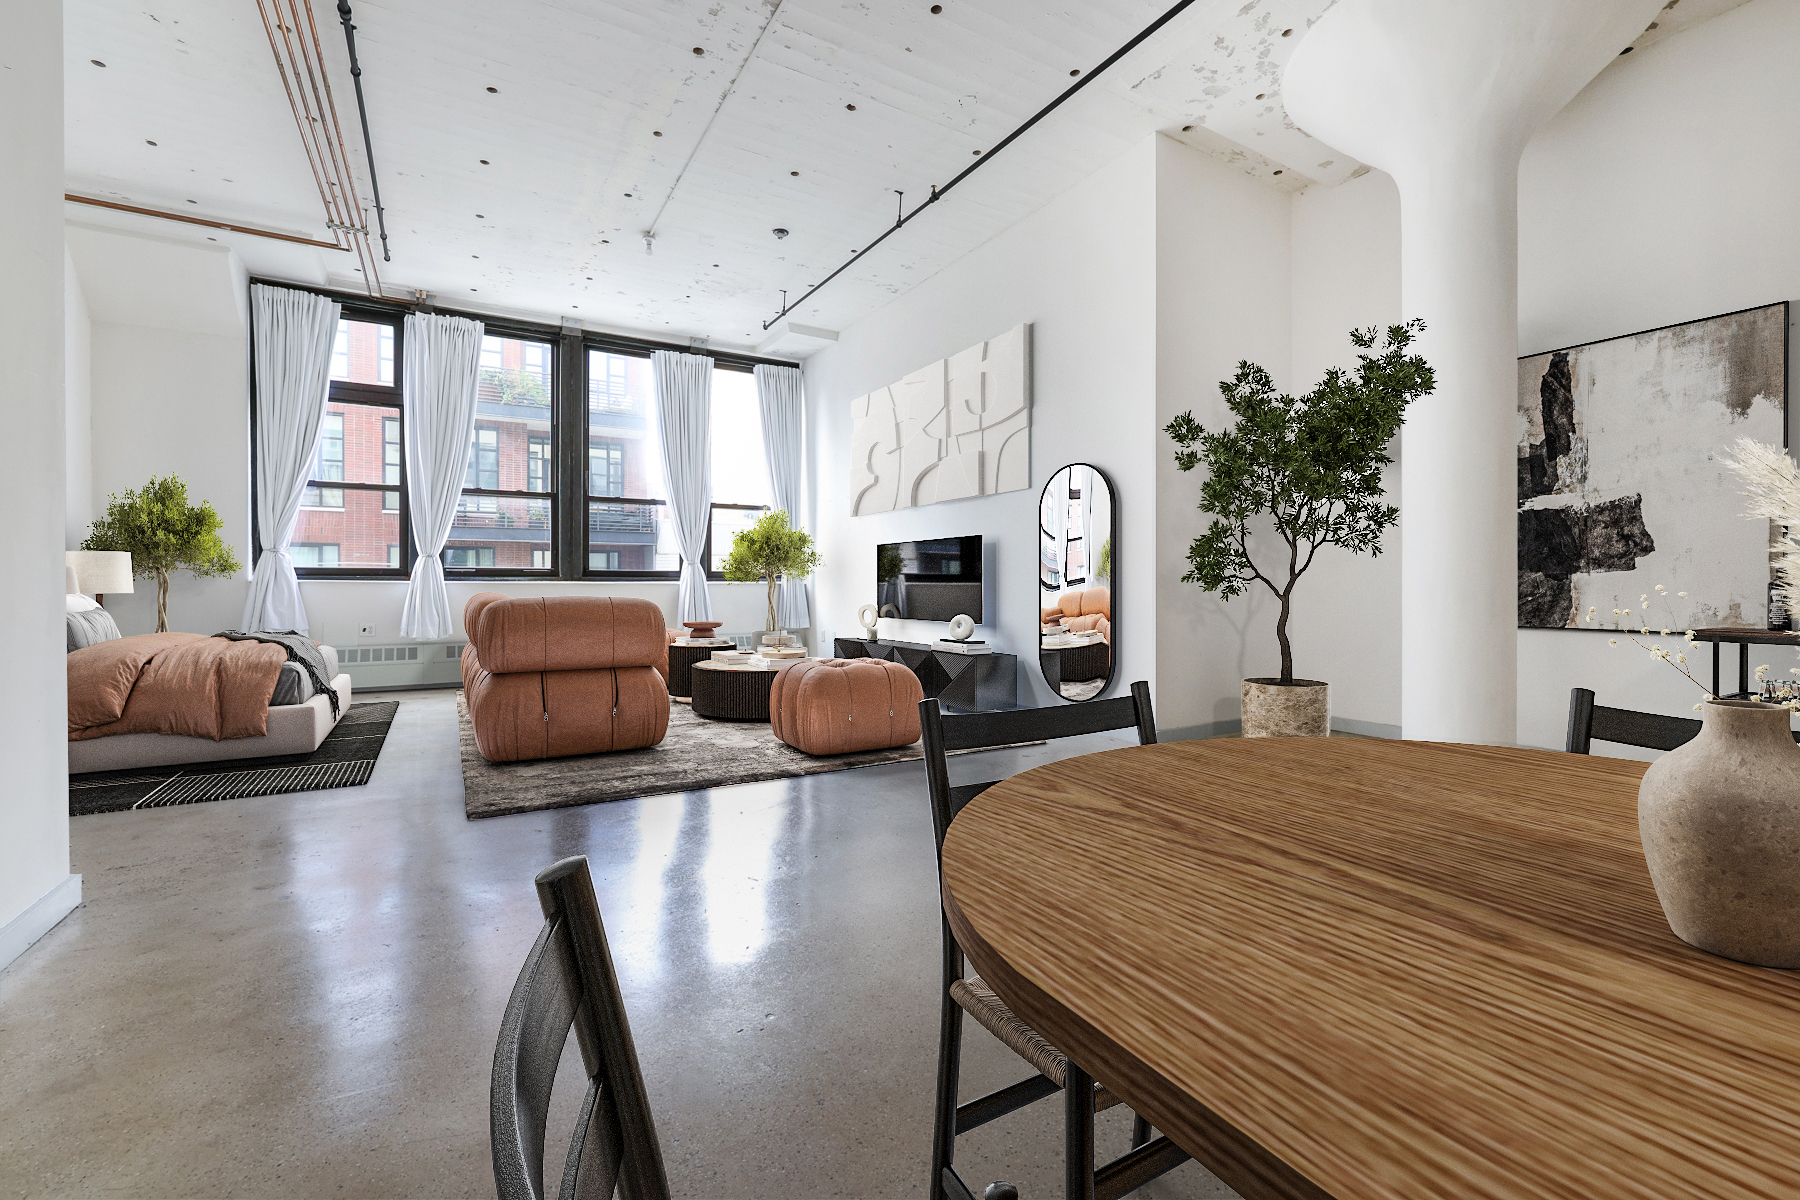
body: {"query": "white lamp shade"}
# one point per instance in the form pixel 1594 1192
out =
pixel 101 572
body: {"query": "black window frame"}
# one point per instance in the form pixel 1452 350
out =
pixel 507 330
pixel 567 461
pixel 369 395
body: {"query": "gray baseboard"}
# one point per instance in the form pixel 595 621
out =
pixel 1373 729
pixel 20 932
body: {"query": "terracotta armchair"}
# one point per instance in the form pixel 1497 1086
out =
pixel 550 676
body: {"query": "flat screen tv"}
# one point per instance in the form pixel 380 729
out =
pixel 931 580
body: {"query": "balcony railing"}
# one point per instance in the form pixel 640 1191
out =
pixel 618 518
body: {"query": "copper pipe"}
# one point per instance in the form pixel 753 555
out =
pixel 192 220
pixel 294 107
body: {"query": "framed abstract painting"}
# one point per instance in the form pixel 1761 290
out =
pixel 1621 486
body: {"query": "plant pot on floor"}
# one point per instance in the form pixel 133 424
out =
pixel 1720 822
pixel 1276 709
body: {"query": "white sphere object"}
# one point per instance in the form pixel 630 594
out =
pixel 866 616
pixel 962 627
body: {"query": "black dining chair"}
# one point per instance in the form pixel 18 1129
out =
pixel 1653 731
pixel 1082 1096
pixel 568 979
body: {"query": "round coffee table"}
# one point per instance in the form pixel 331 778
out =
pixel 732 693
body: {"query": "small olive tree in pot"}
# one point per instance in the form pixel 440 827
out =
pixel 163 532
pixel 1313 465
pixel 771 550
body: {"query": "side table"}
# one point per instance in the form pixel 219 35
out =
pixel 1744 638
pixel 728 692
pixel 681 661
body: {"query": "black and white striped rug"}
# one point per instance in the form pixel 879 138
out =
pixel 346 758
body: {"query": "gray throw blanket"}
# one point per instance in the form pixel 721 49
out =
pixel 301 649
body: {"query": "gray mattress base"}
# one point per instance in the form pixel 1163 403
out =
pixel 293 729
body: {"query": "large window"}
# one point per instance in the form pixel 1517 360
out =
pixel 628 527
pixel 564 476
pixel 351 517
pixel 505 519
pixel 740 473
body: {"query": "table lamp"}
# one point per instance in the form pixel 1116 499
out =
pixel 100 571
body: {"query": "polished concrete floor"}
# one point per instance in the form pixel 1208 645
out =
pixel 298 995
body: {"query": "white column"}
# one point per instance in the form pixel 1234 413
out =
pixel 36 889
pixel 1443 95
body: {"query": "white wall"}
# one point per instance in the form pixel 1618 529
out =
pixel 1081 271
pixel 78 433
pixel 1665 192
pixel 36 888
pixel 1222 295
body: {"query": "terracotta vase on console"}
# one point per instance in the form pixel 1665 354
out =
pixel 1720 822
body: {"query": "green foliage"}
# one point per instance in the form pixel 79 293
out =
pixel 515 386
pixel 163 532
pixel 771 549
pixel 1104 569
pixel 1311 463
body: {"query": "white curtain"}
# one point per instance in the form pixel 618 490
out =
pixel 443 356
pixel 294 332
pixel 779 395
pixel 684 418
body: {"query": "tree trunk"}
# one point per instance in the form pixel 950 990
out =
pixel 1287 651
pixel 162 602
pixel 774 582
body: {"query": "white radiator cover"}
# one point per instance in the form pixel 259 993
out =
pixel 374 667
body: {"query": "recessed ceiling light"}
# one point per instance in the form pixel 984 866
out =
pixel 715 264
pixel 148 142
pixel 793 172
pixel 474 256
pixel 471 289
pixel 699 50
pixel 96 62
pixel 1261 95
pixel 851 107
pixel 1626 50
pixel 1278 172
pixel 605 242
pixel 480 217
pixel 1185 128
pixel 590 278
pixel 212 239
pixel 656 133
pixel 193 202
pixel 1075 72
pixel 1286 32
pixel 937 8
pixel 496 90
pixel 977 154
pixel 485 163
pixel 628 195
pixel 780 233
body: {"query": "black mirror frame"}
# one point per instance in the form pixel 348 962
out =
pixel 1112 581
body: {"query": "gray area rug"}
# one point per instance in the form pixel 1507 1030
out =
pixel 697 753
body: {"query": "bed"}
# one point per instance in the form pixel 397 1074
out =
pixel 297 722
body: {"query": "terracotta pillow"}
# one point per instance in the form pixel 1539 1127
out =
pixel 1096 600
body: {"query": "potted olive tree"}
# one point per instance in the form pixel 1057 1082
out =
pixel 1312 465
pixel 771 550
pixel 163 532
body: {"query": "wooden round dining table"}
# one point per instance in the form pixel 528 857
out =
pixel 1360 968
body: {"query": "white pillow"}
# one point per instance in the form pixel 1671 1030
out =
pixel 79 603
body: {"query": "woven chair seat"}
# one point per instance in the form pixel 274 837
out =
pixel 978 1000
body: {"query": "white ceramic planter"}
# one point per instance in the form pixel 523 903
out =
pixel 1298 709
pixel 1720 821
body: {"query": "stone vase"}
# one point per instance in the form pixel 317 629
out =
pixel 1298 709
pixel 1720 822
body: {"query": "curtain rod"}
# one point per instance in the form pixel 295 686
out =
pixel 938 193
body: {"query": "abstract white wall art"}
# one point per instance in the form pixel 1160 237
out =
pixel 1620 483
pixel 960 427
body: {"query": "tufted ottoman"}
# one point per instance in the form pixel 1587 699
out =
pixel 842 705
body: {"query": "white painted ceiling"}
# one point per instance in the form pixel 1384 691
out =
pixel 605 117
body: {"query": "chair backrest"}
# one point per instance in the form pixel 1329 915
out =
pixel 1654 731
pixel 568 978
pixel 988 730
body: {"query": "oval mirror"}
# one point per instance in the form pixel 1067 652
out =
pixel 1076 536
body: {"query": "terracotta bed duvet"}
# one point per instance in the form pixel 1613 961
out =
pixel 175 683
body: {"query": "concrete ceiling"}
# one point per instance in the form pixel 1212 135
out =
pixel 599 121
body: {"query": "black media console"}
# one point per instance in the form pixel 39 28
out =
pixel 975 682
